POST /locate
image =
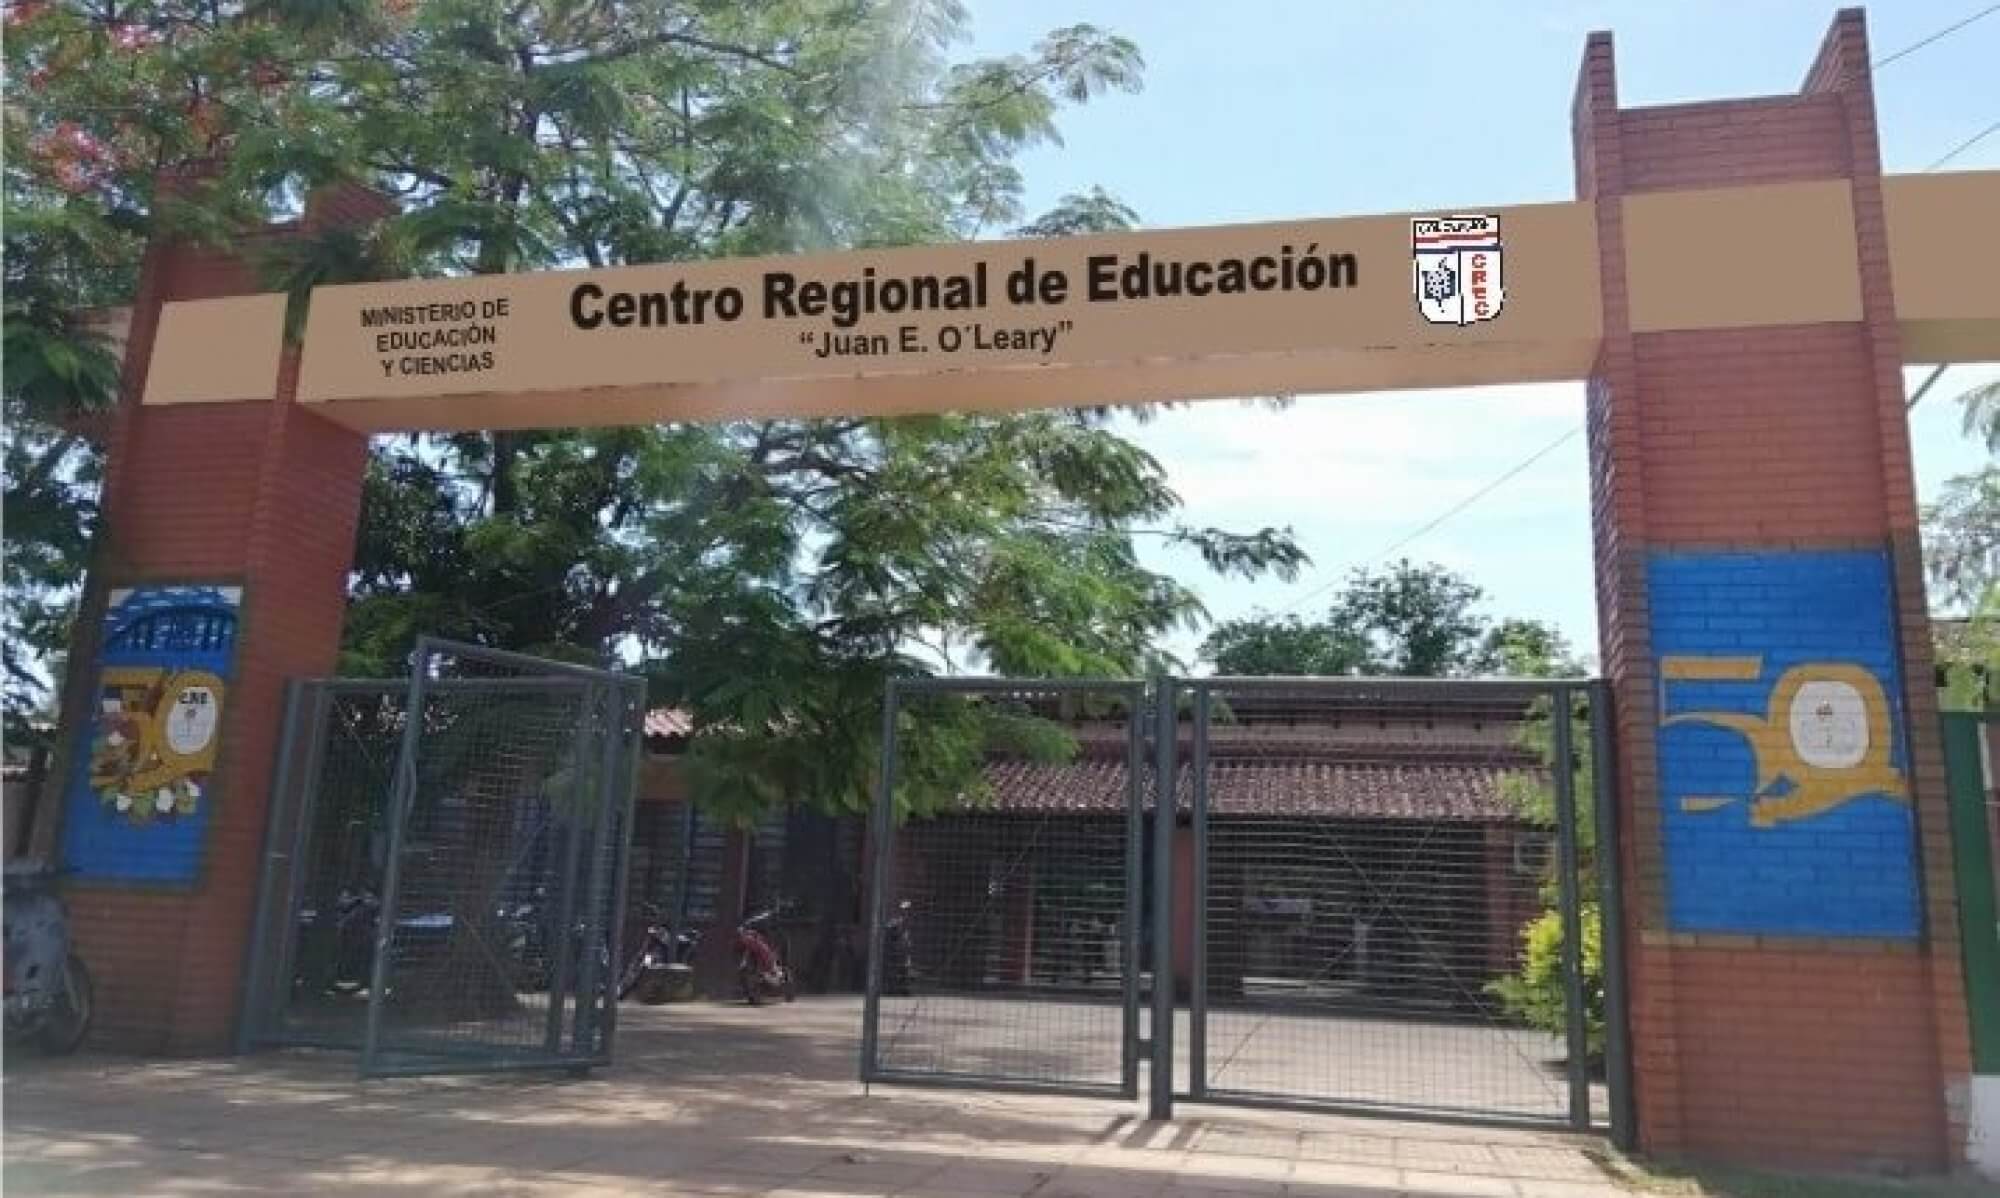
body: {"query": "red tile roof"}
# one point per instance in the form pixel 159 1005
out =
pixel 1306 790
pixel 668 722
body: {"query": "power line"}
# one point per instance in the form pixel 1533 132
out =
pixel 1511 473
pixel 1947 31
pixel 1935 377
pixel 1515 470
pixel 1965 145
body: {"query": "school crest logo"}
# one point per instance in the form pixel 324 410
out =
pixel 1457 269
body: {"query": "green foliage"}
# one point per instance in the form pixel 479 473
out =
pixel 1536 994
pixel 1417 621
pixel 772 575
pixel 1522 648
pixel 1534 795
pixel 1962 538
pixel 1969 652
pixel 58 371
pixel 1962 557
pixel 1407 620
pixel 1283 645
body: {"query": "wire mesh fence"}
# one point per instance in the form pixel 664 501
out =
pixel 495 946
pixel 1390 910
pixel 327 847
pixel 1007 869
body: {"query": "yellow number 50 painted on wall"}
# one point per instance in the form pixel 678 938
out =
pixel 157 730
pixel 1824 740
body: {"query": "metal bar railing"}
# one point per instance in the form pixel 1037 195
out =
pixel 1166 734
pixel 1611 910
pixel 1562 715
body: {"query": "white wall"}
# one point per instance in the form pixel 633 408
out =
pixel 1983 1136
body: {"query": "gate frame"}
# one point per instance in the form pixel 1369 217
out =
pixel 288 847
pixel 612 707
pixel 1156 716
pixel 882 827
pixel 607 696
pixel 1562 694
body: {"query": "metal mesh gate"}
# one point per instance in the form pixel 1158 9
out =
pixel 1392 911
pixel 1373 896
pixel 1006 859
pixel 327 846
pixel 445 867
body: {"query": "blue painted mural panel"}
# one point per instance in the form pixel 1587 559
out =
pixel 140 790
pixel 1782 749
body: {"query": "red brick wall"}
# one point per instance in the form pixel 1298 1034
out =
pixel 264 495
pixel 1774 1050
pixel 1783 139
pixel 1742 444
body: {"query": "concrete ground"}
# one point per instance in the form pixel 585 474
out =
pixel 1393 1062
pixel 707 1099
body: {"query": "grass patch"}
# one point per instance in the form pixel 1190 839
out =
pixel 1680 1179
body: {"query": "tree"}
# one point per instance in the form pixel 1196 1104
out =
pixel 57 371
pixel 772 575
pixel 101 101
pixel 1537 991
pixel 1516 647
pixel 1407 620
pixel 1287 645
pixel 1418 621
pixel 1962 556
pixel 776 571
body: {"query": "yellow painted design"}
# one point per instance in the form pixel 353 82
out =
pixel 157 735
pixel 1711 669
pixel 1698 804
pixel 1824 740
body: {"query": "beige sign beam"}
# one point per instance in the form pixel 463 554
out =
pixel 1298 307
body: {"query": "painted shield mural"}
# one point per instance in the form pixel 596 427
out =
pixel 1457 272
pixel 140 796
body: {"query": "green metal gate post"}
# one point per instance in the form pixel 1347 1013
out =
pixel 1972 858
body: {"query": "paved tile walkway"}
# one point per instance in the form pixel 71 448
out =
pixel 706 1100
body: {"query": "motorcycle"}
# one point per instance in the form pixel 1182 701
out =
pixel 337 954
pixel 530 943
pixel 763 969
pixel 663 968
pixel 49 997
pixel 337 946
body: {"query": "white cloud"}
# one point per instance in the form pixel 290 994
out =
pixel 1353 474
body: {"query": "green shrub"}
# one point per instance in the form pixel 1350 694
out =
pixel 1534 994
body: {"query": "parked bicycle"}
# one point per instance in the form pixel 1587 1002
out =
pixel 49 997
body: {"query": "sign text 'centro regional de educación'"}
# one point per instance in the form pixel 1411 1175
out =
pixel 453 338
pixel 1263 307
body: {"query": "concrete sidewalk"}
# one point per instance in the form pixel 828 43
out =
pixel 706 1099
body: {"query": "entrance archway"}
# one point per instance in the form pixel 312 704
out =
pixel 1737 280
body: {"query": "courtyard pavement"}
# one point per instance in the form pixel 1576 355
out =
pixel 707 1099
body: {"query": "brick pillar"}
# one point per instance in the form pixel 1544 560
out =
pixel 1794 967
pixel 259 495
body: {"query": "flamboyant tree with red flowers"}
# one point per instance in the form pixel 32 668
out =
pixel 101 99
pixel 775 570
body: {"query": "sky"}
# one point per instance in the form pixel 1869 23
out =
pixel 1259 110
